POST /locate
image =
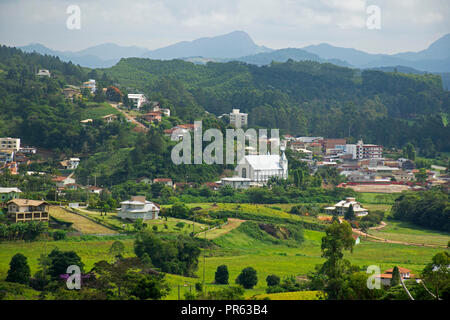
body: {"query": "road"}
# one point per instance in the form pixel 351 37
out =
pixel 139 126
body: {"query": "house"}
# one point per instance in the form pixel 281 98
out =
pixel 386 277
pixel 28 210
pixel 137 100
pixel 260 168
pixel 10 143
pixel 62 181
pixel 342 207
pixel 28 150
pixel 91 85
pixel 7 194
pixel 109 118
pixel 236 182
pixel 357 239
pixel 138 208
pixel 95 189
pixel 70 164
pixel 71 92
pixel 157 107
pixel 238 119
pixel 155 116
pixel 180 129
pixel 86 121
pixel 168 182
pixel 144 180
pixel 43 73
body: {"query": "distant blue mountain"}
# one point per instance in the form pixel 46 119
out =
pixel 436 58
pixel 232 45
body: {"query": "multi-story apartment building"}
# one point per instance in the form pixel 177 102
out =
pixel 10 143
pixel 238 119
pixel 364 151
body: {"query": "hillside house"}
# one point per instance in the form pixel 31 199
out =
pixel 7 194
pixel 167 181
pixel 110 118
pixel 62 181
pixel 10 143
pixel 155 116
pixel 137 100
pixel 91 85
pixel 138 208
pixel 386 277
pixel 28 210
pixel 238 119
pixel 43 73
pixel 342 207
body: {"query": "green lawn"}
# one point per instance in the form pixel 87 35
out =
pixel 408 232
pixel 97 110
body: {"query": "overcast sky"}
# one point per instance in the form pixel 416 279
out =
pixel 406 25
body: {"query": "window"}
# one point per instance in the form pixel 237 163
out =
pixel 244 172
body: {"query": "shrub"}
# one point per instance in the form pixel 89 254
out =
pixel 247 278
pixel 19 270
pixel 59 235
pixel 272 280
pixel 221 275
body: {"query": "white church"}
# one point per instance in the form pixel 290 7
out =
pixel 256 170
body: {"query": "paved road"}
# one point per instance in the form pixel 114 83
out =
pixel 139 126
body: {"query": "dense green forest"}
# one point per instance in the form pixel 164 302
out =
pixel 303 98
pixel 306 98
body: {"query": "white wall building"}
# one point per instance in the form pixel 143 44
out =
pixel 342 207
pixel 10 143
pixel 364 151
pixel 138 208
pixel 137 100
pixel 238 119
pixel 91 85
pixel 260 168
pixel 43 73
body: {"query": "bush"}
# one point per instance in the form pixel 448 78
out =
pixel 19 270
pixel 272 280
pixel 221 275
pixel 59 235
pixel 247 278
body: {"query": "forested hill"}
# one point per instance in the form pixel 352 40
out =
pixel 306 98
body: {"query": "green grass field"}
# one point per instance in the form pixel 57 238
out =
pixel 97 110
pixel 407 232
pixel 238 250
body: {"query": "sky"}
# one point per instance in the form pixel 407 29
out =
pixel 405 25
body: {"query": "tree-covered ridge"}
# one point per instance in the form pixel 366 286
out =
pixel 303 98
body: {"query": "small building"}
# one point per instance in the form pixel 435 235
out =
pixel 28 150
pixel 236 182
pixel 167 181
pixel 28 210
pixel 238 119
pixel 7 194
pixel 138 208
pixel 70 164
pixel 91 85
pixel 137 100
pixel 342 207
pixel 386 277
pixel 43 73
pixel 155 116
pixel 164 111
pixel 62 181
pixel 110 118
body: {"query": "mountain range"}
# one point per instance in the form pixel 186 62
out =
pixel 239 46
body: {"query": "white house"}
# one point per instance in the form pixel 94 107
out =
pixel 386 277
pixel 43 73
pixel 137 100
pixel 138 208
pixel 238 119
pixel 260 168
pixel 70 164
pixel 91 85
pixel 236 182
pixel 342 207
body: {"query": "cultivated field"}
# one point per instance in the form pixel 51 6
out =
pixel 392 188
pixel 80 223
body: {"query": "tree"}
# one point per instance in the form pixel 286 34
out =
pixel 437 273
pixel 221 275
pixel 151 287
pixel 350 214
pixel 395 280
pixel 60 260
pixel 247 278
pixel 409 152
pixel 272 280
pixel 19 270
pixel 117 249
pixel 421 176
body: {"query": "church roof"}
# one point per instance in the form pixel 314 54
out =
pixel 264 162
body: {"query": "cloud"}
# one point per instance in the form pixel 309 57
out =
pixel 406 24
